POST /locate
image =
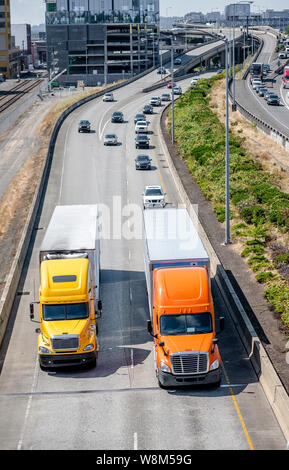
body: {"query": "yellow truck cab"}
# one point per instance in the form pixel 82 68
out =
pixel 69 289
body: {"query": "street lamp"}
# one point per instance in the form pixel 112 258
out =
pixel 227 212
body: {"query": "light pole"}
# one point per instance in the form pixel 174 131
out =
pixel 173 94
pixel 227 212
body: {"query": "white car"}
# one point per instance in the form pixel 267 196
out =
pixel 108 97
pixel 153 196
pixel 142 127
pixel 256 83
pixel 155 101
pixel 166 97
pixel 177 90
pixel 110 139
pixel 195 81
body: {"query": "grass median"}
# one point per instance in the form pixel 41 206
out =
pixel 259 206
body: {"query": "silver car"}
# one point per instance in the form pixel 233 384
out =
pixel 108 97
pixel 110 139
pixel 155 101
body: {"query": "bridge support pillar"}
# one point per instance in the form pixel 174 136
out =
pixel 223 59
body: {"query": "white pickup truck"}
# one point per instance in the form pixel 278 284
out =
pixel 142 127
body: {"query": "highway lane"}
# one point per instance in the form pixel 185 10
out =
pixel 118 405
pixel 275 116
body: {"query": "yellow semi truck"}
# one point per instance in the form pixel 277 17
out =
pixel 69 288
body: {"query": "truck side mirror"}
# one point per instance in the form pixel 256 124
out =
pixel 31 311
pixel 99 305
pixel 149 327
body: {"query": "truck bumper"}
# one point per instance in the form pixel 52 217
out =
pixel 65 360
pixel 170 380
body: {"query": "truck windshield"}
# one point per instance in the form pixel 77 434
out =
pixel 65 312
pixel 188 324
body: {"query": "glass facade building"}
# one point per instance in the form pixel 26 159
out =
pixel 102 40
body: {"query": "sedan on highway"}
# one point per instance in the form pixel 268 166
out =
pixel 117 116
pixel 273 99
pixel 177 61
pixel 108 97
pixel 177 90
pixel 143 162
pixel 171 84
pixel 110 139
pixel 139 117
pixel 148 109
pixel 155 101
pixel 255 83
pixel 257 87
pixel 153 196
pixel 166 97
pixel 161 70
pixel 84 126
pixel 262 90
pixel 142 141
pixel 267 94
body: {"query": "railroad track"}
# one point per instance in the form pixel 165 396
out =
pixel 22 88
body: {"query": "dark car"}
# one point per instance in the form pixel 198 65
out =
pixel 161 70
pixel 148 109
pixel 267 94
pixel 117 117
pixel 139 117
pixel 143 162
pixel 262 90
pixel 84 126
pixel 142 141
pixel 273 99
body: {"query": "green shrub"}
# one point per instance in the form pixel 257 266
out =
pixel 281 260
pixel 264 277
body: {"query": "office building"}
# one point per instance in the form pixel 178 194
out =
pixel 101 41
pixel 9 54
pixel 237 11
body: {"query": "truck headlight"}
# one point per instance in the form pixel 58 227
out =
pixel 43 350
pixel 164 367
pixel 215 365
pixel 89 347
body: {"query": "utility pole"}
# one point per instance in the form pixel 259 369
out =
pixel 173 94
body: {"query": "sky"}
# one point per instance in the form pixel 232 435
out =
pixel 32 11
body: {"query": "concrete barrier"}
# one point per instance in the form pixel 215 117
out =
pixel 268 378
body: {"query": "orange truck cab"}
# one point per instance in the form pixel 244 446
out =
pixel 181 305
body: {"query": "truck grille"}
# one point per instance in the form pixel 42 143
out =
pixel 65 342
pixel 195 362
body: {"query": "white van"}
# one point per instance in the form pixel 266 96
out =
pixel 194 81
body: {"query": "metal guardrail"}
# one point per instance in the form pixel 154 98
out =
pixel 267 128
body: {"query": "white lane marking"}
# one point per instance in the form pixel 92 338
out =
pixel 100 132
pixel 131 358
pixel 135 441
pixel 282 97
pixel 28 407
pixel 63 162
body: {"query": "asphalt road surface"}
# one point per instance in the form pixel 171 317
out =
pixel 118 404
pixel 275 116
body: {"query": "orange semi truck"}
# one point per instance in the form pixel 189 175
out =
pixel 182 319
